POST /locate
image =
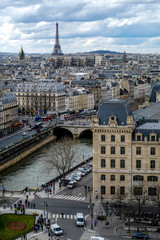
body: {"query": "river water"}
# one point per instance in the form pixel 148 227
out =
pixel 32 171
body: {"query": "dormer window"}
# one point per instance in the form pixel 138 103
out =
pixel 112 121
pixel 138 137
pixel 153 137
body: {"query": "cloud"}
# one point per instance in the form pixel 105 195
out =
pixel 85 24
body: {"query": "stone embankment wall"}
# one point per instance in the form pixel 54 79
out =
pixel 26 152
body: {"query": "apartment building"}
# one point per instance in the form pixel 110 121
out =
pixel 126 153
pixel 8 112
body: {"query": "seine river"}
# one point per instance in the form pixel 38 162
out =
pixel 33 171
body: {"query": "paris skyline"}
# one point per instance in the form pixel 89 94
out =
pixel 86 25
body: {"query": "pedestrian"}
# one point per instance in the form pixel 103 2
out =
pixel 26 201
pixel 3 189
pixel 95 222
pixel 41 227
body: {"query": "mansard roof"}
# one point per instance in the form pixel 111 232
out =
pixel 154 90
pixel 114 107
pixel 146 129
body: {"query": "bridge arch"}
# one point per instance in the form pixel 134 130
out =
pixel 74 131
pixel 62 132
pixel 86 133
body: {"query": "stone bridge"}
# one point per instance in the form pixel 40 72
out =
pixel 76 130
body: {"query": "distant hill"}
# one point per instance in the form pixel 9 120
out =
pixel 102 52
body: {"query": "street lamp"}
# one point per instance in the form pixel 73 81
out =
pixel 91 213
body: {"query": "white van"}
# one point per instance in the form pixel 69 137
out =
pixel 79 219
pixel 97 238
pixel 56 229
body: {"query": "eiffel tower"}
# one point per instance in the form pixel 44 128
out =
pixel 57 48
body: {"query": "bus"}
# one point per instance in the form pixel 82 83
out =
pixel 39 118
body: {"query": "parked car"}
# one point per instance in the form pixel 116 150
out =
pixel 24 133
pixel 76 177
pixel 71 184
pixel 78 173
pixel 140 235
pixel 56 229
pixel 65 181
pixel 87 169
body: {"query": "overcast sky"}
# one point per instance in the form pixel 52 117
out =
pixel 84 25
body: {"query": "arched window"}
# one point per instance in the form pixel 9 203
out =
pixel 122 163
pixel 112 177
pixel 113 150
pixel 103 150
pixel 152 151
pixel 152 179
pixel 103 177
pixel 138 178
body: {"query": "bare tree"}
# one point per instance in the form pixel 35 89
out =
pixel 140 196
pixel 63 156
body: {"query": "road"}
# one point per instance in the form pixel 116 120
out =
pixel 68 207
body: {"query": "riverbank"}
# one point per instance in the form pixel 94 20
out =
pixel 33 170
pixel 25 151
pixel 51 182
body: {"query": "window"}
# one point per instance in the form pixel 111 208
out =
pixel 138 163
pixel 112 190
pixel 138 178
pixel 122 190
pixel 122 150
pixel 103 138
pixel 152 191
pixel 137 190
pixel 103 163
pixel 122 177
pixel 153 138
pixel 152 151
pixel 152 164
pixel 113 150
pixel 138 150
pixel 122 138
pixel 139 137
pixel 152 179
pixel 112 178
pixel 122 163
pixel 112 138
pixel 103 150
pixel 103 177
pixel 103 190
pixel 113 163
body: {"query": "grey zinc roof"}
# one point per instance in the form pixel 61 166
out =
pixel 150 112
pixel 149 126
pixel 146 129
pixel 154 90
pixel 119 108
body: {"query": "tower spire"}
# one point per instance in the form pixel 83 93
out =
pixel 57 48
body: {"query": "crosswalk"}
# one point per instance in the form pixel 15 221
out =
pixel 65 216
pixel 68 197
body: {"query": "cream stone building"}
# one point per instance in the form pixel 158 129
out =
pixel 126 153
pixel 8 112
pixel 40 97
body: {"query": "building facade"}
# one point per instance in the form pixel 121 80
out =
pixel 126 154
pixel 41 97
pixel 8 112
